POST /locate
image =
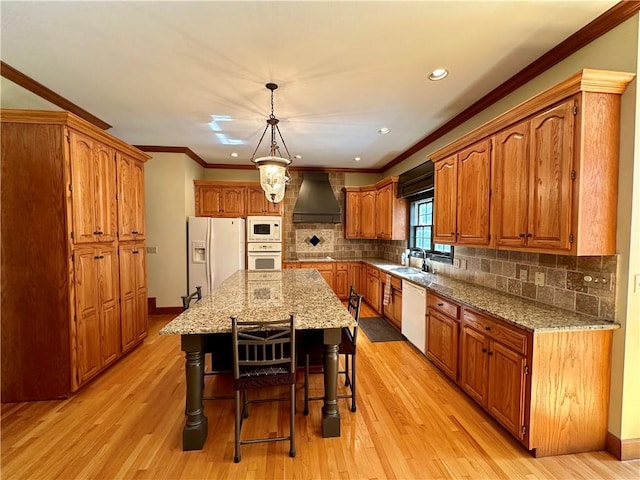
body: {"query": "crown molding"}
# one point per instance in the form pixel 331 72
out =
pixel 607 21
pixel 28 83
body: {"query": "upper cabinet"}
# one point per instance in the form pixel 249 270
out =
pixel 130 198
pixel 232 199
pixel 257 203
pixel 375 211
pixel 541 177
pixel 93 189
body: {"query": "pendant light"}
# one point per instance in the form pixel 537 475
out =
pixel 274 172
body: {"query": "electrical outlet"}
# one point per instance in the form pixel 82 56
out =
pixel 539 279
pixel 523 274
pixel 597 280
pixel 152 249
pixel 456 262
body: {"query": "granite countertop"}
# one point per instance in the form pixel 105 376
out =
pixel 260 295
pixel 527 314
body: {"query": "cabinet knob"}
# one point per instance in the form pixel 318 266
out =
pixel 529 234
pixel 134 232
pixel 453 233
pixel 441 304
pixel 522 235
pixel 489 352
pixel 484 350
pixel 487 328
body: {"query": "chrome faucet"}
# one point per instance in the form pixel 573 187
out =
pixel 425 265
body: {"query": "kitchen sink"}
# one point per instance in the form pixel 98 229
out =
pixel 406 270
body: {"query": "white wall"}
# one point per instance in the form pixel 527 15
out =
pixel 166 230
pixel 618 50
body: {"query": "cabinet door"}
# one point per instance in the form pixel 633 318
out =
pixel 328 277
pixel 397 307
pixel 256 201
pixel 551 164
pixel 83 187
pixel 342 281
pixel 442 342
pixel 368 214
pixel 444 199
pixel 233 201
pixel 130 198
pixel 133 295
pixel 109 312
pixel 352 218
pixel 354 277
pixel 506 392
pixel 105 194
pixel 474 364
pixel 510 198
pixel 209 201
pixel 473 195
pixel 373 292
pixel 383 216
pixel 88 338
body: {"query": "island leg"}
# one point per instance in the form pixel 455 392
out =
pixel 330 412
pixel 195 430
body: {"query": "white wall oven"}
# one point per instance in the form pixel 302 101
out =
pixel 264 229
pixel 264 256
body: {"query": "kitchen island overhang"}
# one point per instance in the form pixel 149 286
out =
pixel 256 295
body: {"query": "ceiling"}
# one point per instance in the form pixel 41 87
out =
pixel 193 74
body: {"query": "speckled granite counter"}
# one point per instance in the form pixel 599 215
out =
pixel 532 316
pixel 259 295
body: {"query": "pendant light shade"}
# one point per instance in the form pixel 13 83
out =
pixel 274 173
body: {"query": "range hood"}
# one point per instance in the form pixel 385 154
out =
pixel 316 201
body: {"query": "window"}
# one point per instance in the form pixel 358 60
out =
pixel 421 231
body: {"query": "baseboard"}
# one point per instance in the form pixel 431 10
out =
pixel 154 310
pixel 628 449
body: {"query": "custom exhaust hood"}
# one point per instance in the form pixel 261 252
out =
pixel 316 201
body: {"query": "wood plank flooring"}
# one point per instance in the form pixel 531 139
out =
pixel 411 423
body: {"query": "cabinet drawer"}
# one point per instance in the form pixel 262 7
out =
pixel 342 266
pixel 443 305
pixel 320 266
pixel 373 272
pixel 396 283
pixel 497 330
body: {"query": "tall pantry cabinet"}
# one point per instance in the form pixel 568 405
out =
pixel 74 294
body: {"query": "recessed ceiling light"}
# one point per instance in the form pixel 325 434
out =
pixel 357 159
pixel 297 157
pixel 383 131
pixel 234 154
pixel 438 74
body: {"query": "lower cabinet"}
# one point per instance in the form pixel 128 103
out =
pixel 393 310
pixel 326 269
pixel 341 285
pixel 97 313
pixel 133 295
pixel 372 288
pixel 549 389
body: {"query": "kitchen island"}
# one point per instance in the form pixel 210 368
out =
pixel 260 295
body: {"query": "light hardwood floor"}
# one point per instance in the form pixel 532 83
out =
pixel 411 423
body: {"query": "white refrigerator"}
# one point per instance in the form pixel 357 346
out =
pixel 215 250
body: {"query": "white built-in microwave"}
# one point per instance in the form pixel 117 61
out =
pixel 264 229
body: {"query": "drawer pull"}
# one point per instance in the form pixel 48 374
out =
pixel 487 328
pixel 441 304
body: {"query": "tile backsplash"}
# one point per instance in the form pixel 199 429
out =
pixel 560 278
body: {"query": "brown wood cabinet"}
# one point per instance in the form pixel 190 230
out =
pixel 61 295
pixel 353 276
pixel 131 224
pixel 462 184
pixel 215 200
pixel 374 211
pixel 533 383
pixel 93 189
pixel 326 269
pixel 341 285
pixel 372 288
pixel 97 309
pixel 133 295
pixel 442 333
pixel 257 203
pixel 554 181
pixel 393 310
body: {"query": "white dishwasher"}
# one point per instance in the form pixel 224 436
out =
pixel 414 307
